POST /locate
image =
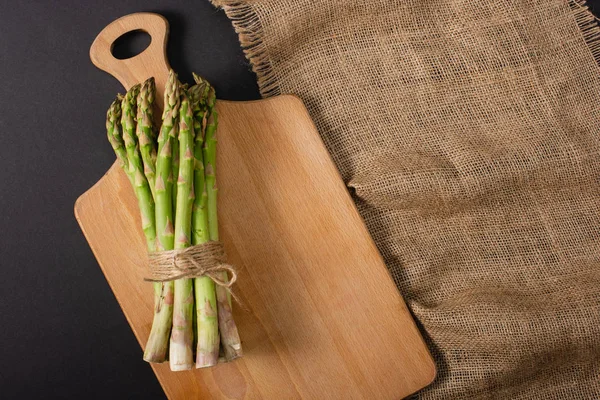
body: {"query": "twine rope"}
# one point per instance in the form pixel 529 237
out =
pixel 207 259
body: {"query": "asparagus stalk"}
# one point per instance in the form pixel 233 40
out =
pixel 145 131
pixel 230 338
pixel 207 329
pixel 136 169
pixel 158 341
pixel 182 336
pixel 175 167
pixel 156 349
pixel 115 136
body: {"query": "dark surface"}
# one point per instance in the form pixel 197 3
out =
pixel 62 332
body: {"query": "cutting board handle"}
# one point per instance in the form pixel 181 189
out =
pixel 150 62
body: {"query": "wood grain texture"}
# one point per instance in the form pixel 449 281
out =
pixel 324 319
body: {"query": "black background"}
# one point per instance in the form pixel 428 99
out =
pixel 62 333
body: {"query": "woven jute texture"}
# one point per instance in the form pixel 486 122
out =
pixel 468 132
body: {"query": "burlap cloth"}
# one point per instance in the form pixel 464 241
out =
pixel 468 134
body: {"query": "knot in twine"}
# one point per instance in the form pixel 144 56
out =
pixel 207 259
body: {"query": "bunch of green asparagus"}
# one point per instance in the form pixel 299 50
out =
pixel 173 175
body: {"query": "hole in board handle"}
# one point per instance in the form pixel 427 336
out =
pixel 130 44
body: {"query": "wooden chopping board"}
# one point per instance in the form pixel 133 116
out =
pixel 325 320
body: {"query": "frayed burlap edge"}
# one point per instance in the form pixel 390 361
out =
pixel 588 24
pixel 247 25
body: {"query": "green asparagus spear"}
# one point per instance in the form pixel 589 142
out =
pixel 175 167
pixel 136 169
pixel 158 342
pixel 181 354
pixel 207 329
pixel 145 131
pixel 230 338
pixel 115 136
pixel 155 350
